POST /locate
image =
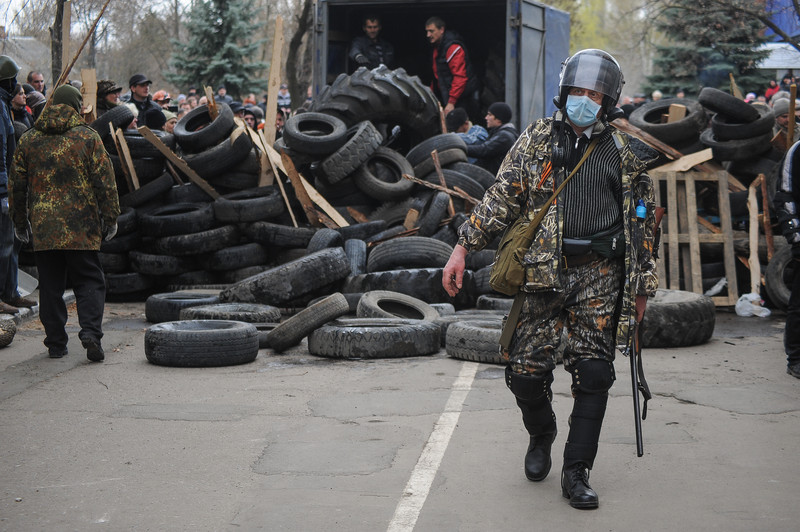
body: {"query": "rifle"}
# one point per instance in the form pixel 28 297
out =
pixel 638 382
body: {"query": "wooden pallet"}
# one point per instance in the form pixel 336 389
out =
pixel 680 239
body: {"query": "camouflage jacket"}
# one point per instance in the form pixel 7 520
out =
pixel 63 182
pixel 522 188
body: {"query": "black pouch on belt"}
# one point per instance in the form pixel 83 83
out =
pixel 609 244
pixel 576 246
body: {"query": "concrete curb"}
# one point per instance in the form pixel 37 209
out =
pixel 26 314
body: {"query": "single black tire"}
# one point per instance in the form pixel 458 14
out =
pixel 291 280
pixel 480 259
pixel 251 205
pixel 392 213
pixel 474 340
pixel 201 343
pixel 421 283
pixel 284 236
pixel 237 257
pixel 197 243
pixel 128 283
pixel 314 133
pixel 481 175
pixel 408 252
pixel 432 214
pixel 447 235
pixel 363 140
pixel 726 129
pixel 187 193
pixel 246 312
pixel 386 235
pixel 381 176
pixel 375 338
pixel 647 117
pixel 356 251
pixel 293 330
pixel 444 309
pixel 167 306
pixel 492 302
pixel 446 157
pixel 230 277
pixel 456 179
pixel 726 104
pixel 148 192
pixel 676 318
pixel 159 265
pixel 121 243
pixel 177 219
pixel 736 150
pixel 114 262
pixel 220 158
pixel 196 131
pixel 440 143
pixel 362 231
pixel 121 116
pixel 324 238
pixel 388 304
pixel 447 320
pixel 127 221
pixel 139 147
pixel 779 275
pixel 230 180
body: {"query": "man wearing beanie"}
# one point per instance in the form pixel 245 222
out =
pixel 63 199
pixel 780 108
pixel 502 135
pixel 458 122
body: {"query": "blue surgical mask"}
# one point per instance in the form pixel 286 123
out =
pixel 582 110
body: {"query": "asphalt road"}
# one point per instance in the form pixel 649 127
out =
pixel 296 442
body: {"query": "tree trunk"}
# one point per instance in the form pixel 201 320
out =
pixel 298 86
pixel 56 45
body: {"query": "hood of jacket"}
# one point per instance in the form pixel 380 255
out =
pixel 57 119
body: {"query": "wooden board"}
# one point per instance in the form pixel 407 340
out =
pixel 687 162
pixel 89 93
pixel 676 112
pixel 125 158
pixel 274 82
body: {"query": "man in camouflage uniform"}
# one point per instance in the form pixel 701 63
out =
pixel 590 267
pixel 63 196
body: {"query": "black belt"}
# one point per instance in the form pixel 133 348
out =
pixel 572 261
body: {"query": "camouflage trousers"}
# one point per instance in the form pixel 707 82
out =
pixel 585 309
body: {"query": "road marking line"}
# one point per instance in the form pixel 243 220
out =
pixel 419 484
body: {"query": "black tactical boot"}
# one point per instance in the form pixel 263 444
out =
pixel 537 458
pixel 533 398
pixel 575 487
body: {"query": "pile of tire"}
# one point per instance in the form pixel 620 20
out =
pixel 682 135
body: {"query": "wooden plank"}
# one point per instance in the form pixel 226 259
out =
pixel 623 125
pixel 451 211
pixel 727 231
pixel 274 82
pixel 213 110
pixel 275 161
pixel 357 215
pixel 694 242
pixel 266 176
pixel 173 173
pixel 672 236
pixel 66 26
pixel 687 162
pixel 662 246
pixel 411 218
pixel 755 264
pixel 89 93
pixel 125 158
pixel 125 169
pixel 683 227
pixel 322 203
pixel 440 188
pixel 300 192
pixel 765 219
pixel 179 163
pixel 676 112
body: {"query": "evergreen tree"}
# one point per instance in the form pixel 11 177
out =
pixel 219 48
pixel 706 44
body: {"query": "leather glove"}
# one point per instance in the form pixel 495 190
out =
pixel 23 234
pixel 362 60
pixel 109 231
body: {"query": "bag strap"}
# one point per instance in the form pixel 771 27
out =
pixel 513 315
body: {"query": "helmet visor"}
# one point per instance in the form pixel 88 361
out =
pixel 593 72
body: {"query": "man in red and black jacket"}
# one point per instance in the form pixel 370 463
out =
pixel 452 70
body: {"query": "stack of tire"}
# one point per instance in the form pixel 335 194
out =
pixel 682 135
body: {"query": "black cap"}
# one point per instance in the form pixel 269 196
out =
pixel 501 111
pixel 236 107
pixel 455 119
pixel 138 79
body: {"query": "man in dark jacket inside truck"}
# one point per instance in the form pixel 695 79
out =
pixel 455 82
pixel 369 50
pixel 502 135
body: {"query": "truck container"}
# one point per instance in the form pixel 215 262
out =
pixel 516 46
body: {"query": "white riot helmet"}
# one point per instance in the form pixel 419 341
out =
pixel 591 69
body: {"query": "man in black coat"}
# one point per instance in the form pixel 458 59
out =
pixel 369 50
pixel 150 114
pixel 502 135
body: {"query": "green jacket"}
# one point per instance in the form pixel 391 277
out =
pixel 62 182
pixel 521 189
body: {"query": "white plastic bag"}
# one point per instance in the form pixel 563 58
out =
pixel 750 305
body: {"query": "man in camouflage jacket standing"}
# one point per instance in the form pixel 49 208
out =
pixel 63 195
pixel 589 269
